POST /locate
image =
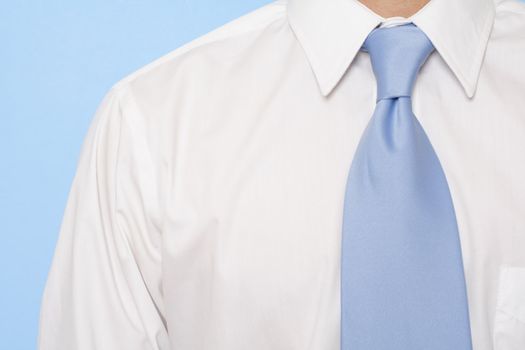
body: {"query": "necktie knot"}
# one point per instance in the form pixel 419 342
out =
pixel 397 53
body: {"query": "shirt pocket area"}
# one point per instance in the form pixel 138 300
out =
pixel 509 322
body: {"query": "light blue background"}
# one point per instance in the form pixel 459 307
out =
pixel 57 60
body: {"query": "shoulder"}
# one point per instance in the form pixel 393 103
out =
pixel 211 49
pixel 506 48
pixel 509 21
pixel 510 6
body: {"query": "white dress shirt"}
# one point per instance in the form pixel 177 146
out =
pixel 206 210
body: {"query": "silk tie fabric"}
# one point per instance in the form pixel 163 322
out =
pixel 402 279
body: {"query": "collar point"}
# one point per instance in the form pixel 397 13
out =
pixel 470 92
pixel 469 88
pixel 326 85
pixel 325 89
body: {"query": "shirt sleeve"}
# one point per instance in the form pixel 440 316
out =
pixel 104 286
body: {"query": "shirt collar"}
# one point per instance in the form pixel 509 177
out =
pixel 331 33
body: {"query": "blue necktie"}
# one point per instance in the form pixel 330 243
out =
pixel 402 279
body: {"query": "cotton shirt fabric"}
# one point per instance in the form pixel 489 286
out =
pixel 206 209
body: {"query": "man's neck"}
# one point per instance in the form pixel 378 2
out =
pixel 393 8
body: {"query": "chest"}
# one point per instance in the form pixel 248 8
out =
pixel 253 222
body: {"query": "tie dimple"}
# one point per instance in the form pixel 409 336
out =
pixel 397 53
